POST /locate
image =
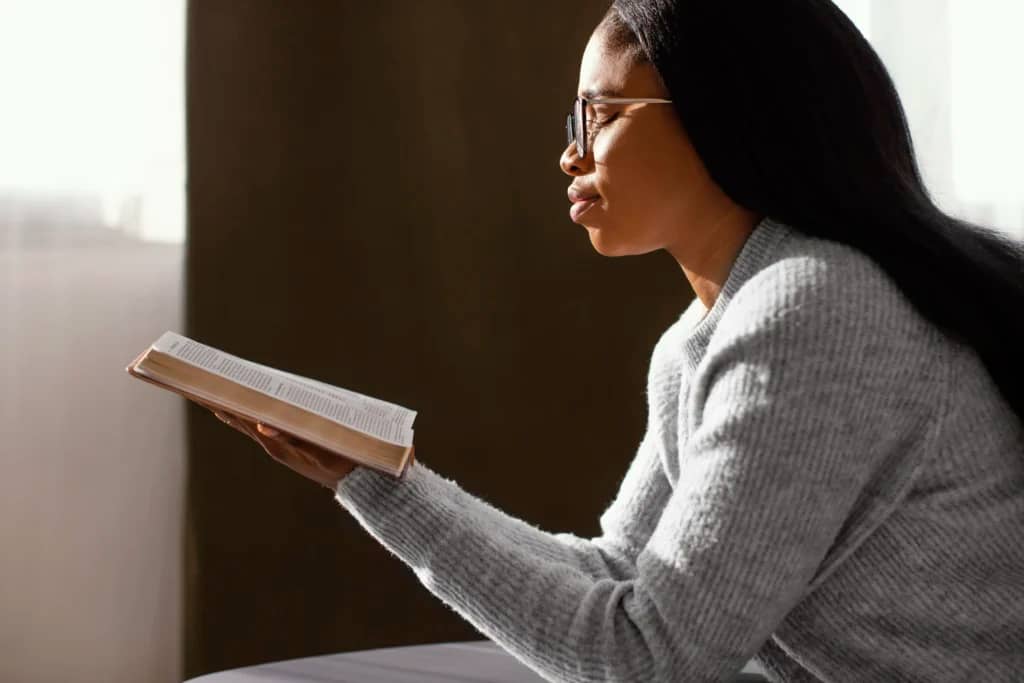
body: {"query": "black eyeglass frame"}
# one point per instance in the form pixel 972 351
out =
pixel 578 113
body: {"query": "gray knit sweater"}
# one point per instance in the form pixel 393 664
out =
pixel 827 484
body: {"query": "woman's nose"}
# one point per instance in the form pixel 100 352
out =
pixel 571 163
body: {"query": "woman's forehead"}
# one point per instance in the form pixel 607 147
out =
pixel 602 70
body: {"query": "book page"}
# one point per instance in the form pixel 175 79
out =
pixel 338 393
pixel 376 406
pixel 383 420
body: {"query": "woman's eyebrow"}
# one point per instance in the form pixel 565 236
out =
pixel 591 94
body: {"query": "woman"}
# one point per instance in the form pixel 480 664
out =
pixel 832 477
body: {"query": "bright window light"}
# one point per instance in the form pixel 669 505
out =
pixel 93 106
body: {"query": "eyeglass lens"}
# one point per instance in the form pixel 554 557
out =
pixel 576 127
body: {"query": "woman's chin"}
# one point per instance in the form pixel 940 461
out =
pixel 601 240
pixel 602 245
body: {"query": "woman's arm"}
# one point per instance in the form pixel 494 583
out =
pixel 625 525
pixel 797 404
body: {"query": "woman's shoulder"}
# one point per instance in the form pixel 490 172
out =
pixel 814 279
pixel 818 301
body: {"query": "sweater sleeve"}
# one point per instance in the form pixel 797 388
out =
pixel 800 398
pixel 437 507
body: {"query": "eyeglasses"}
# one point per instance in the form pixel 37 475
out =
pixel 576 122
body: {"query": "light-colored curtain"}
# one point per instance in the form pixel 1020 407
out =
pixel 91 231
pixel 957 65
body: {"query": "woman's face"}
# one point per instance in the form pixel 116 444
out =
pixel 652 190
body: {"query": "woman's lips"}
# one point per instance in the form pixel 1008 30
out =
pixel 580 207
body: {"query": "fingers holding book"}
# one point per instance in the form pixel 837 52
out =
pixel 231 421
pixel 307 459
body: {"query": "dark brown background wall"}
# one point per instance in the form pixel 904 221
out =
pixel 375 201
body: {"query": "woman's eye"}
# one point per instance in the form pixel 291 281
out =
pixel 605 122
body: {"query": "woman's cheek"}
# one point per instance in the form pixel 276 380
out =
pixel 608 145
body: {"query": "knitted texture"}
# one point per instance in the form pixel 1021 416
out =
pixel 827 484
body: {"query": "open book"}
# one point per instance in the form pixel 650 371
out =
pixel 366 430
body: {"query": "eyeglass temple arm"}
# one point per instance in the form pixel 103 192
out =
pixel 626 100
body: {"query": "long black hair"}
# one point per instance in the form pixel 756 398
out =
pixel 795 117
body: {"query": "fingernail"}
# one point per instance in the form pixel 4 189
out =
pixel 266 431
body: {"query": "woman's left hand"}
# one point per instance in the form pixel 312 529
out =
pixel 309 460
